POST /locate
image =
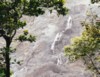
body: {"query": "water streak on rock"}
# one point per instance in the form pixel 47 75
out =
pixel 60 34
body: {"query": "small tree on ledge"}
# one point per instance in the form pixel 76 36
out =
pixel 87 46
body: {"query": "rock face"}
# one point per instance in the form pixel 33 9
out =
pixel 45 57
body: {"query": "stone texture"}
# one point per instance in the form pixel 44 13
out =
pixel 37 58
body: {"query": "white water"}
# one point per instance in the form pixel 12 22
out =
pixel 57 38
pixel 60 34
pixel 69 23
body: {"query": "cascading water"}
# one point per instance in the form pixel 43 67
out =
pixel 69 23
pixel 57 38
pixel 60 34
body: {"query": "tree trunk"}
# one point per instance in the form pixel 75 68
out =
pixel 7 61
pixel 7 58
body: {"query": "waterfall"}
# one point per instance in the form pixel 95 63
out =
pixel 59 60
pixel 69 23
pixel 57 38
pixel 60 34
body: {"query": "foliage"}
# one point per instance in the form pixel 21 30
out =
pixel 51 4
pixel 11 12
pixel 87 45
pixel 2 74
pixel 26 37
pixel 95 1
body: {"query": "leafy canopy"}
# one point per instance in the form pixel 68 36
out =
pixel 11 11
pixel 85 44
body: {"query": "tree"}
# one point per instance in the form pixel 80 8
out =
pixel 87 46
pixel 10 13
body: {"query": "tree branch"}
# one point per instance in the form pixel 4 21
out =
pixel 13 35
pixel 2 32
pixel 96 69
